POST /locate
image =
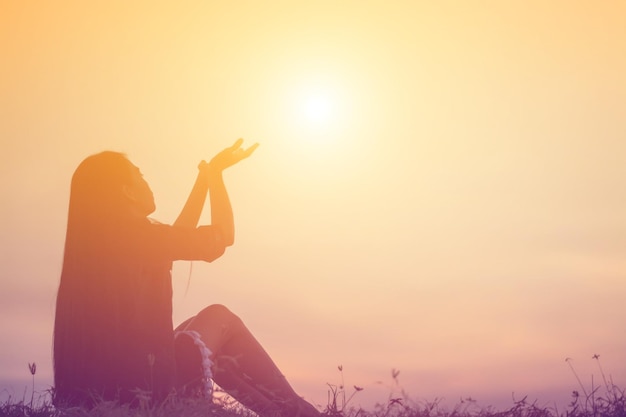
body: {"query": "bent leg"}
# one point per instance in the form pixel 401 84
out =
pixel 242 367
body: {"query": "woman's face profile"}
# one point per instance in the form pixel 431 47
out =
pixel 139 194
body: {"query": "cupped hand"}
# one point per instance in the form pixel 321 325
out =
pixel 228 157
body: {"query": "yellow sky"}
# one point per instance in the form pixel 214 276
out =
pixel 451 204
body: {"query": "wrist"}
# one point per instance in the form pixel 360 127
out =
pixel 207 171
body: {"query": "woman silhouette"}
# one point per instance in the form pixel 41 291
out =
pixel 113 332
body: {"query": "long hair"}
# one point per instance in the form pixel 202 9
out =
pixel 92 299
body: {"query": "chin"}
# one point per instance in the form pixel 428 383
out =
pixel 148 209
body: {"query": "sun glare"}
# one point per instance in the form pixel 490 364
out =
pixel 319 114
pixel 316 106
pixel 318 109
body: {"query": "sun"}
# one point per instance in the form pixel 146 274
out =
pixel 318 113
pixel 318 109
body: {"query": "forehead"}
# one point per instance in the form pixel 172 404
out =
pixel 135 172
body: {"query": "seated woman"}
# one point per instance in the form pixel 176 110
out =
pixel 113 332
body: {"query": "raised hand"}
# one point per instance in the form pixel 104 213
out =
pixel 228 157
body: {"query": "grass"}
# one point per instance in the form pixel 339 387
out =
pixel 604 400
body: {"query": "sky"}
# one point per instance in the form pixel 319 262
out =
pixel 440 186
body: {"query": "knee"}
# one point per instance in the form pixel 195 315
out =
pixel 216 310
pixel 219 314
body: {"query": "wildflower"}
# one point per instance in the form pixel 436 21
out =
pixel 32 367
pixel 393 401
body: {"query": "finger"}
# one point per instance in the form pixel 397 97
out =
pixel 251 149
pixel 237 144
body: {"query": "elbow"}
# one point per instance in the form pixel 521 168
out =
pixel 229 238
pixel 214 254
pixel 226 237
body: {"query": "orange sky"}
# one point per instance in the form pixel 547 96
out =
pixel 456 212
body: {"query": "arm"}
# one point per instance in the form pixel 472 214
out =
pixel 190 214
pixel 210 180
pixel 221 209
